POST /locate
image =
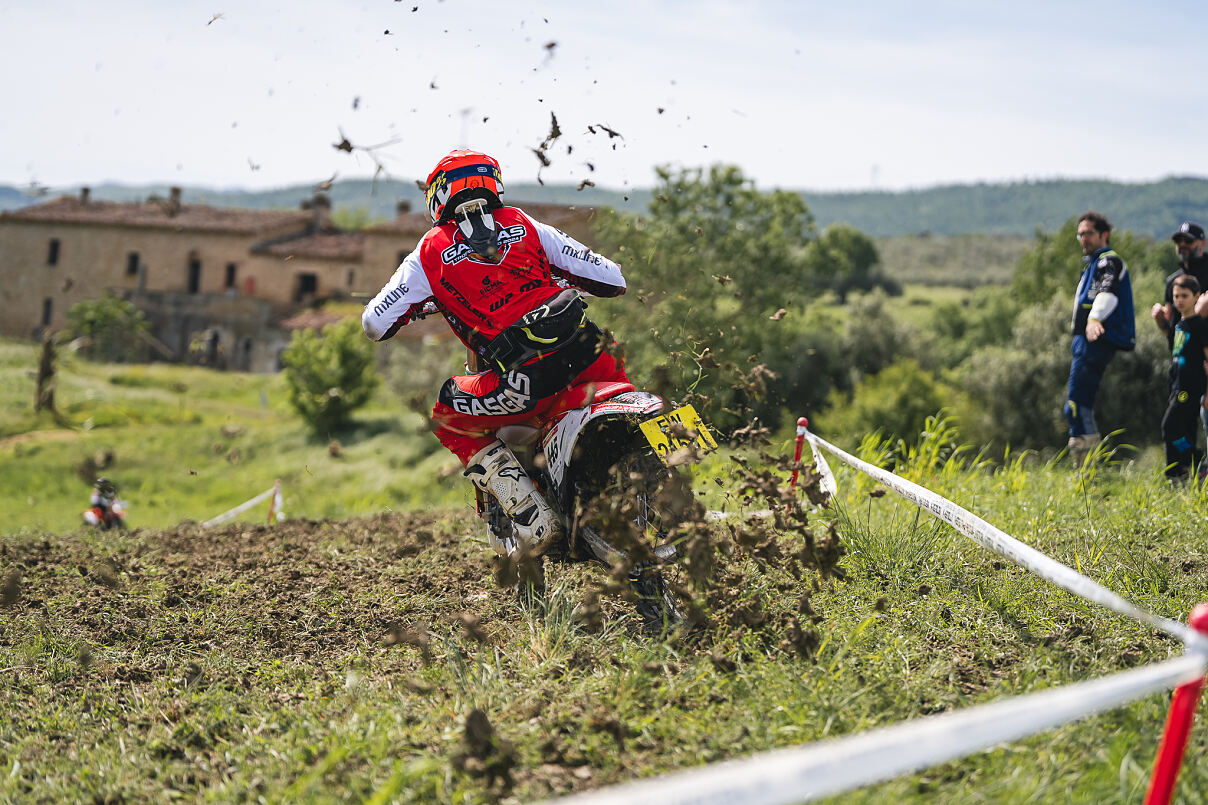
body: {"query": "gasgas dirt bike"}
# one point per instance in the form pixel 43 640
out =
pixel 605 461
pixel 105 518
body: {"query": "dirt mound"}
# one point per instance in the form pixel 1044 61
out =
pixel 300 589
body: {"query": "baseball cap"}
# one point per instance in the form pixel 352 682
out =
pixel 1187 229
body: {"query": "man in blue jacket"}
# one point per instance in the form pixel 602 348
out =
pixel 1103 324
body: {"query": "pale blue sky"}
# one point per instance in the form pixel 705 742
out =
pixel 801 95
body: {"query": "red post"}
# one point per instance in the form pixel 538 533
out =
pixel 1178 724
pixel 802 424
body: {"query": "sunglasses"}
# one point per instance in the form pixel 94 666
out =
pixel 1184 241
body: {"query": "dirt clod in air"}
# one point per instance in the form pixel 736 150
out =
pixel 485 754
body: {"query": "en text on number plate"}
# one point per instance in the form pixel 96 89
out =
pixel 665 437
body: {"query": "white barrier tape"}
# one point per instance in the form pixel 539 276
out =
pixel 827 483
pixel 713 514
pixel 238 510
pixel 1007 546
pixel 798 774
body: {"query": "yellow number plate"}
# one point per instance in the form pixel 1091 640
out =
pixel 677 429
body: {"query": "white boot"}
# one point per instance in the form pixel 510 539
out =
pixel 496 471
pixel 1081 446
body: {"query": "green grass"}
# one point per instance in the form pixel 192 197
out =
pixel 967 261
pixel 187 443
pixel 341 660
pixel 918 301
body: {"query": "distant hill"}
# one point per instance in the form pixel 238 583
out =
pixel 11 198
pixel 1154 208
pixel 1018 208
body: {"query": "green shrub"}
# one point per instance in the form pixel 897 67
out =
pixel 329 375
pixel 722 280
pixel 1013 394
pixel 112 328
pixel 895 402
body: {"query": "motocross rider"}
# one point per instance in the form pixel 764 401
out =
pixel 104 492
pixel 499 278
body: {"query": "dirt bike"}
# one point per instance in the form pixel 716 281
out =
pixel 605 460
pixel 603 466
pixel 105 519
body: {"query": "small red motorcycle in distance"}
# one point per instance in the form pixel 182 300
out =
pixel 112 517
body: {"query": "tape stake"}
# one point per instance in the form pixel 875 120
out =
pixel 1173 747
pixel 276 508
pixel 802 424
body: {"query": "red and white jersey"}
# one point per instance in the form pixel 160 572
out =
pixel 478 298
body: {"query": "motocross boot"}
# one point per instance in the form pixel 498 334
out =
pixel 1081 446
pixel 495 470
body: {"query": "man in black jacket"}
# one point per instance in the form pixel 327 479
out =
pixel 1189 241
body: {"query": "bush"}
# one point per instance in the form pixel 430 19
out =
pixel 329 374
pixel 722 281
pixel 112 328
pixel 1014 394
pixel 895 402
pixel 415 370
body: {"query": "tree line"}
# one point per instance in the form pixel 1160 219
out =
pixel 740 303
pixel 1016 208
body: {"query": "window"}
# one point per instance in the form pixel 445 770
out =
pixel 229 282
pixel 132 264
pixel 52 254
pixel 194 275
pixel 352 276
pixel 48 309
pixel 308 285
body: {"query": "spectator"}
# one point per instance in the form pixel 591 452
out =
pixel 1189 242
pixel 1188 381
pixel 1103 324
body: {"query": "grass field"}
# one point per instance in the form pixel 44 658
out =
pixel 375 657
pixel 967 261
pixel 185 443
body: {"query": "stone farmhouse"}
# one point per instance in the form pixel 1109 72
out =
pixel 233 281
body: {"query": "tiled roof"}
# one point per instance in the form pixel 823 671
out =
pixel 158 215
pixel 330 245
pixel 559 215
pixel 410 223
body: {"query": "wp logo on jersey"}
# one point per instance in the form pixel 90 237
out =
pixel 461 250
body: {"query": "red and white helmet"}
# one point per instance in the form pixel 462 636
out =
pixel 459 177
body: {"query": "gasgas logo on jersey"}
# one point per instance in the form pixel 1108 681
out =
pixel 461 250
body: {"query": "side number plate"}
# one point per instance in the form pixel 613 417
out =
pixel 677 429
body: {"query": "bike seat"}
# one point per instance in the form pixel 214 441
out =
pixel 606 391
pixel 588 393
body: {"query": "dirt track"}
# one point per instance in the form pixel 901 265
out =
pixel 309 588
